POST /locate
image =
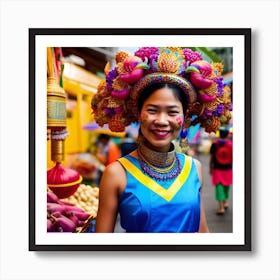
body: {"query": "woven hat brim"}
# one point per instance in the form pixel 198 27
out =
pixel 173 79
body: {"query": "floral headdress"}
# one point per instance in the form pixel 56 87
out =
pixel 115 103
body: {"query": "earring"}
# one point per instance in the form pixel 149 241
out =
pixel 184 145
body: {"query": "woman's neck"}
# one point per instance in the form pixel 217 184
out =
pixel 164 149
pixel 155 157
pixel 159 165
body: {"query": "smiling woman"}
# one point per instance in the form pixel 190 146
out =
pixel 161 117
pixel 156 188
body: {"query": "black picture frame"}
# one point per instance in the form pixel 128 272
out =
pixel 242 35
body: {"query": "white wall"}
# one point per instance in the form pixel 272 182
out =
pixel 17 262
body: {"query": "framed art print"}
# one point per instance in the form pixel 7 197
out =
pixel 79 59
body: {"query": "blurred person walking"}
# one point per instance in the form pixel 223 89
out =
pixel 221 168
pixel 128 144
pixel 106 152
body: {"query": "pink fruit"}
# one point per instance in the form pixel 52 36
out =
pixel 65 203
pixel 56 215
pixel 51 197
pixel 80 223
pixel 50 225
pixel 199 81
pixel 74 219
pixel 73 208
pixel 121 94
pixel 80 215
pixel 205 98
pixel 55 207
pixel 133 76
pixel 64 224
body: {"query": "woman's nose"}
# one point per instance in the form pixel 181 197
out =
pixel 162 119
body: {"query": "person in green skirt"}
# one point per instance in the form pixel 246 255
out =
pixel 221 168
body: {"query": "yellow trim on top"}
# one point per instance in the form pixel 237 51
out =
pixel 166 194
pixel 67 184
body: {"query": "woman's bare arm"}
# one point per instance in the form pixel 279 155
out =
pixel 203 227
pixel 112 179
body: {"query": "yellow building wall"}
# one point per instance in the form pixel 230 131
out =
pixel 78 138
pixel 80 86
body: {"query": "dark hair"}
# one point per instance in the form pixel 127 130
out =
pixel 103 136
pixel 223 132
pixel 178 93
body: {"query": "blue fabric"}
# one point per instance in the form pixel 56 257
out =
pixel 143 210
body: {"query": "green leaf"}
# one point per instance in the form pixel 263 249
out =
pixel 207 54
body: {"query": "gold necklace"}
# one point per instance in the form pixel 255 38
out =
pixel 155 165
pixel 160 169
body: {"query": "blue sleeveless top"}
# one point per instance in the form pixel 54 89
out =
pixel 147 205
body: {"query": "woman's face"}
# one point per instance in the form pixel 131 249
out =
pixel 161 119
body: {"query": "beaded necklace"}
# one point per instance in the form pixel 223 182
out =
pixel 158 165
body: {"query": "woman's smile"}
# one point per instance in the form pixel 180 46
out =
pixel 161 134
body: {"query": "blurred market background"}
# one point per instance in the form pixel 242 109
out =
pixel 80 71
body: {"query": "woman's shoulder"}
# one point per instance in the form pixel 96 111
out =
pixel 114 176
pixel 197 163
pixel 186 157
pixel 191 159
pixel 114 168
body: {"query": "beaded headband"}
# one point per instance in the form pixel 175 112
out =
pixel 115 102
pixel 173 79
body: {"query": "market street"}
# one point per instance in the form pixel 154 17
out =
pixel 222 224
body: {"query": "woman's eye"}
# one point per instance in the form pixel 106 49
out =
pixel 173 113
pixel 151 111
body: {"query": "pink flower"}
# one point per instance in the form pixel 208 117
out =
pixel 146 52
